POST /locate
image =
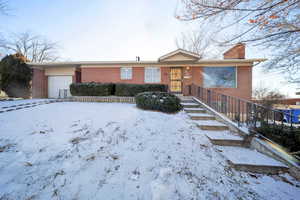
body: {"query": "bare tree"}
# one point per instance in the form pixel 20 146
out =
pixel 199 42
pixel 275 24
pixel 3 6
pixel 267 97
pixel 3 11
pixel 34 47
pixel 193 41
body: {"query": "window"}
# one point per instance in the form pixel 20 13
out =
pixel 152 75
pixel 126 73
pixel 219 77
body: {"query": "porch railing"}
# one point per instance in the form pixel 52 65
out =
pixel 243 112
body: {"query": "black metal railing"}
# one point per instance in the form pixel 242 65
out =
pixel 241 111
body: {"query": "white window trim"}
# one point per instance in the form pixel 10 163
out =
pixel 128 73
pixel 152 79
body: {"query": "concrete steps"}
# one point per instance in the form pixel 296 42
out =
pixel 190 105
pixel 244 159
pixel 201 116
pixel 224 138
pixel 194 110
pixel 25 105
pixel 187 101
pixel 212 125
pixel 230 144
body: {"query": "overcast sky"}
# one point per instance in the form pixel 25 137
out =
pixel 114 30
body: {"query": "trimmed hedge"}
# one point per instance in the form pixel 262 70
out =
pixel 92 89
pixel 118 89
pixel 123 89
pixel 158 101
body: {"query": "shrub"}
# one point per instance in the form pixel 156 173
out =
pixel 123 89
pixel 92 89
pixel 282 134
pixel 159 101
pixel 15 76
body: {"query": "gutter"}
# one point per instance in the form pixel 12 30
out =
pixel 191 63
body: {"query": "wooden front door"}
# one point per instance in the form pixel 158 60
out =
pixel 176 79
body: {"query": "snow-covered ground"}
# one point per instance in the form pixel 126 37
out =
pixel 116 151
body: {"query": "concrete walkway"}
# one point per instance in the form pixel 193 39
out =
pixel 20 106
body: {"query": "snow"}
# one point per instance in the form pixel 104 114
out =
pixel 243 156
pixel 190 104
pixel 18 102
pixel 108 151
pixel 222 135
pixel 200 115
pixel 209 123
pixel 198 109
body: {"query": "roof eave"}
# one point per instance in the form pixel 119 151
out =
pixel 78 64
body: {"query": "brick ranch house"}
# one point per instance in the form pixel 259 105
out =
pixel 231 75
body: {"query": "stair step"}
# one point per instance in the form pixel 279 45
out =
pixel 184 97
pixel 245 159
pixel 194 110
pixel 190 105
pixel 211 125
pixel 201 116
pixel 187 101
pixel 224 138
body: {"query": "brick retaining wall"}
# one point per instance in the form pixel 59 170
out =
pixel 110 99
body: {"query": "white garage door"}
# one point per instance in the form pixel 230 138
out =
pixel 55 83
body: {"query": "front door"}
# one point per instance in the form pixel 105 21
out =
pixel 176 79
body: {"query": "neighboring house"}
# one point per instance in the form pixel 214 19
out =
pixel 178 69
pixel 290 101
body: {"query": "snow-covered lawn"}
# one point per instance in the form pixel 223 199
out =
pixel 116 151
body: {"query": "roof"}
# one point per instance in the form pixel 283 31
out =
pixel 200 62
pixel 177 57
pixel 186 53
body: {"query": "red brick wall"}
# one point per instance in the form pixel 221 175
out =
pixel 39 84
pixel 244 84
pixel 236 52
pixel 112 74
pixel 290 101
pixel 165 75
pixel 195 74
pixel 77 77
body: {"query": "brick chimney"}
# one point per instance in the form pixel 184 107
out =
pixel 236 52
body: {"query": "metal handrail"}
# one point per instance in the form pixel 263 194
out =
pixel 239 110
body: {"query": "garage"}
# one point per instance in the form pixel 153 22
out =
pixel 56 83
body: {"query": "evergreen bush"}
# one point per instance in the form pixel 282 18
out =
pixel 158 101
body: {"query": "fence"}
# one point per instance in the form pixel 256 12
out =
pixel 241 111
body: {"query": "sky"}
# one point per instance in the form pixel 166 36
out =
pixel 94 30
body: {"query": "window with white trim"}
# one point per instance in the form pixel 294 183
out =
pixel 126 73
pixel 152 75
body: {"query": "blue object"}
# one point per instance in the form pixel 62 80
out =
pixel 295 115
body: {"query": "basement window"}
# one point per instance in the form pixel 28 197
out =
pixel 219 77
pixel 126 73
